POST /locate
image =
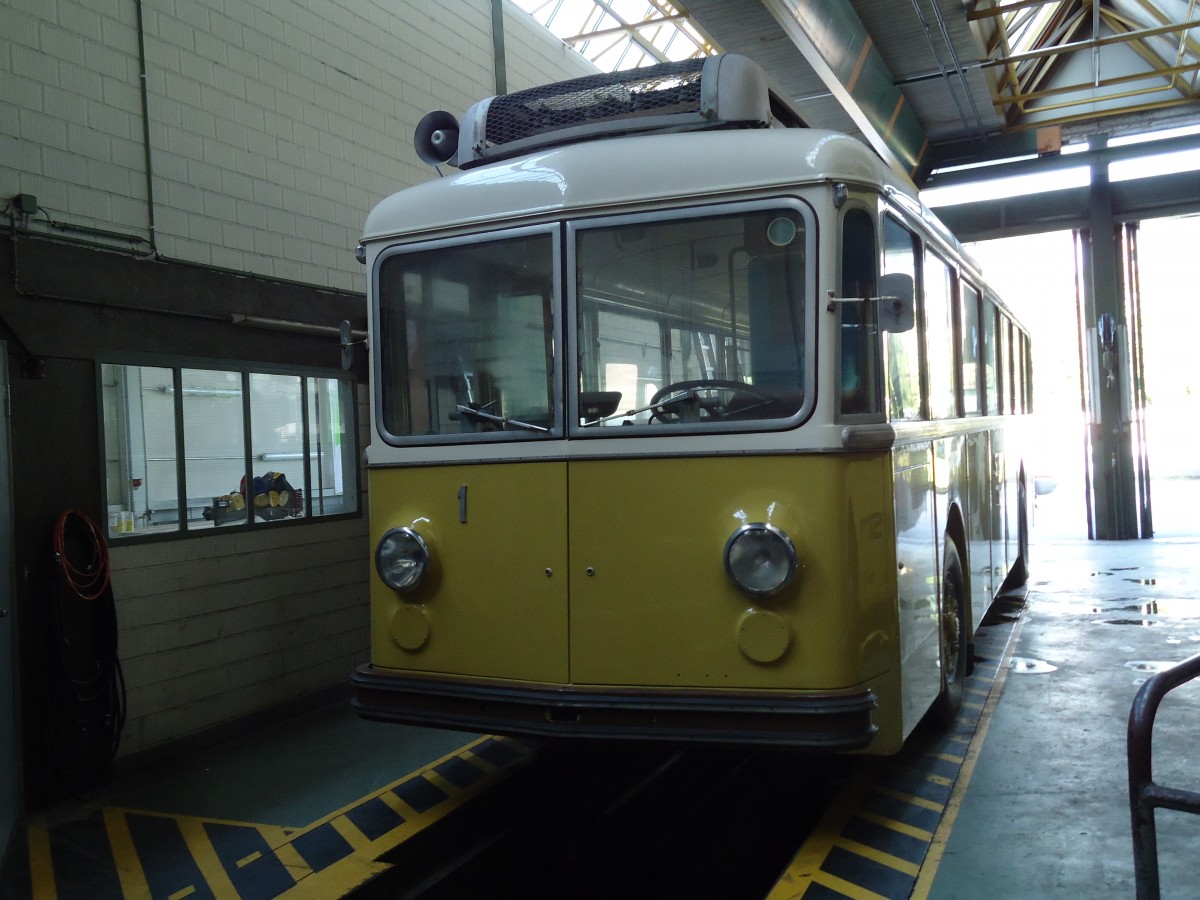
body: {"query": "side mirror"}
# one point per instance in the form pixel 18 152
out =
pixel 897 311
pixel 346 335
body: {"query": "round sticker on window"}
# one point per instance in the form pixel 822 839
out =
pixel 781 232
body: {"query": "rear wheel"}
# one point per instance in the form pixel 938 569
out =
pixel 952 637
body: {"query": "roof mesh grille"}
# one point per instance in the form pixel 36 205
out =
pixel 664 89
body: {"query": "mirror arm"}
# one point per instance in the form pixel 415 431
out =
pixel 833 301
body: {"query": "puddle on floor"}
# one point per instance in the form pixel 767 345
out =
pixel 1025 666
pixel 1148 665
pixel 1169 608
pixel 1143 623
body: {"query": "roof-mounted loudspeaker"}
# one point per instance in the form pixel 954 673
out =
pixel 436 138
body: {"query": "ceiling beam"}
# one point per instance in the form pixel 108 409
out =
pixel 1153 197
pixel 1105 41
pixel 835 44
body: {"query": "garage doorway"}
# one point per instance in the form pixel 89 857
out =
pixel 1035 275
pixel 1166 250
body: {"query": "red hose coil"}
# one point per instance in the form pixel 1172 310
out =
pixel 92 580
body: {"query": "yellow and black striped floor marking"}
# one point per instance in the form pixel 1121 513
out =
pixel 123 853
pixel 883 837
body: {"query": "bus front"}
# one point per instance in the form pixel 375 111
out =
pixel 608 496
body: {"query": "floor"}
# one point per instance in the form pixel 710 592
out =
pixel 1046 812
pixel 1041 808
pixel 303 809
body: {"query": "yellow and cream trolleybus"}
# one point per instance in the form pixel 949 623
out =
pixel 689 423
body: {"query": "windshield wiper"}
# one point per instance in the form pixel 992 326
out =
pixel 674 398
pixel 502 421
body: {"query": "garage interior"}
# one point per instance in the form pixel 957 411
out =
pixel 185 187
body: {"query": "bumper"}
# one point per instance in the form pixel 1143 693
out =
pixel 839 721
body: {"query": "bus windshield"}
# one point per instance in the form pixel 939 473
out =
pixel 466 339
pixel 692 322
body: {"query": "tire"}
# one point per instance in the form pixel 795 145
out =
pixel 953 643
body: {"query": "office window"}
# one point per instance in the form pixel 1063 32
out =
pixel 194 448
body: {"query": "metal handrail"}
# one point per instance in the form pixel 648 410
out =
pixel 1144 795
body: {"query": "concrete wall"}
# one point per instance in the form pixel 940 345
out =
pixel 271 129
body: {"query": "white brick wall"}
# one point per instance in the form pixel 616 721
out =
pixel 275 125
pixel 216 628
pixel 219 626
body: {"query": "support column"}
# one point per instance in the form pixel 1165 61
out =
pixel 1114 506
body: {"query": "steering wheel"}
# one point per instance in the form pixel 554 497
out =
pixel 689 409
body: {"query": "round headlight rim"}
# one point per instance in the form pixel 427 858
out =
pixel 411 534
pixel 789 547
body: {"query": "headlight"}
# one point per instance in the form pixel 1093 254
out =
pixel 760 559
pixel 401 559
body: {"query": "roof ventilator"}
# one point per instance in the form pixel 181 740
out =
pixel 725 91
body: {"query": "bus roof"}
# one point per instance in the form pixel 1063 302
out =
pixel 631 172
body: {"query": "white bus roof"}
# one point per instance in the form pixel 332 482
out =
pixel 628 172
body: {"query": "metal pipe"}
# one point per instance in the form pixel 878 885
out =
pixel 1144 795
pixel 958 65
pixel 141 40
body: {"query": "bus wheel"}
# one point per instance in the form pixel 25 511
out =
pixel 952 638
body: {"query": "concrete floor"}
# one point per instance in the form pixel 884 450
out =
pixel 1046 813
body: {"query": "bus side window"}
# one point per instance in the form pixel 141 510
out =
pixel 991 359
pixel 904 348
pixel 1007 406
pixel 859 334
pixel 939 337
pixel 971 369
pixel 1027 371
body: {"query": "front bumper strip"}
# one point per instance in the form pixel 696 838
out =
pixel 816 721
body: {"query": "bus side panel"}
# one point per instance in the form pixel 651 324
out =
pixel 651 603
pixel 917 553
pixel 494 603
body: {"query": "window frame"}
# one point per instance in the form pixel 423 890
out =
pixel 572 230
pixel 971 299
pixel 941 263
pixel 993 390
pixel 176 365
pixel 379 402
pixel 921 412
pixel 873 343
